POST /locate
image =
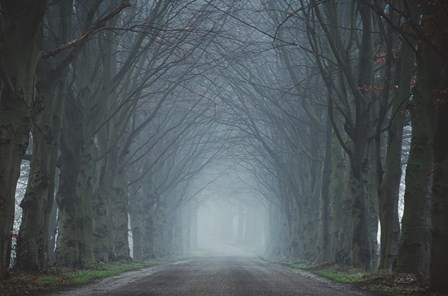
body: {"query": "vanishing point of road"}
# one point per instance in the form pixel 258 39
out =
pixel 218 276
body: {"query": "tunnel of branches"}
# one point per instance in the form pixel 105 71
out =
pixel 133 130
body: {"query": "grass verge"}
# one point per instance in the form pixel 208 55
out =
pixel 52 280
pixel 385 283
pixel 289 261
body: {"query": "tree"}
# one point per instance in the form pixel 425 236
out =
pixel 20 25
pixel 414 248
pixel 432 66
pixel 33 246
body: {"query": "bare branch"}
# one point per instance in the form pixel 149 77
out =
pixel 98 25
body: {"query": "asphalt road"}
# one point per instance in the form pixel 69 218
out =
pixel 227 276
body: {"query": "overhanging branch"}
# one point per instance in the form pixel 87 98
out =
pixel 98 25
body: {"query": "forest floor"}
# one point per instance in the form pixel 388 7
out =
pixel 385 283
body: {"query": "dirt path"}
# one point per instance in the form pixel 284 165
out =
pixel 217 276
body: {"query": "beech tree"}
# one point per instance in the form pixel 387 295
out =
pixel 20 25
pixel 33 245
pixel 431 98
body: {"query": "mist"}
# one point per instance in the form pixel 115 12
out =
pixel 141 130
pixel 231 227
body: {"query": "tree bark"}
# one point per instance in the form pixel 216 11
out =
pixel 75 233
pixel 364 211
pixel 37 204
pixel 439 96
pixel 439 208
pixel 413 254
pixel 19 27
pixel 102 201
pixel 33 243
pixel 120 210
pixel 327 242
pixel 78 180
pixel 390 186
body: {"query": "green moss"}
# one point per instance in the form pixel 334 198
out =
pixel 85 276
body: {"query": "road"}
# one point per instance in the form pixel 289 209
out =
pixel 220 276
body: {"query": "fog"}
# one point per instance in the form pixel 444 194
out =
pixel 231 227
pixel 151 129
pixel 230 215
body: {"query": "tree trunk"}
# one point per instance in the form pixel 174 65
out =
pixel 439 91
pixel 32 243
pixel 327 242
pixel 75 235
pixel 277 237
pixel 194 229
pixel 120 210
pixel 364 191
pixel 439 209
pixel 136 226
pixel 363 172
pixel 102 203
pixel 77 185
pixel 413 254
pixel 241 222
pixel 52 230
pixel 102 222
pixel 390 186
pixel 143 212
pixel 342 204
pixel 18 58
pixel 38 204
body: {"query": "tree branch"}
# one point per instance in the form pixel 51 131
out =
pixel 99 24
